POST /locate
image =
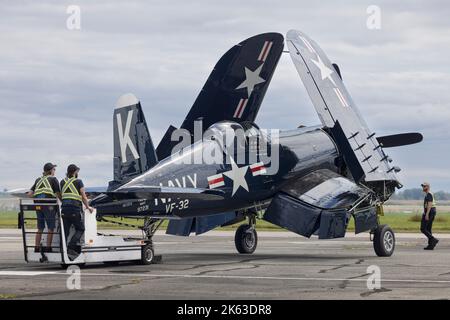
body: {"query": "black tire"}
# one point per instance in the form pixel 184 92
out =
pixel 384 241
pixel 246 239
pixel 147 254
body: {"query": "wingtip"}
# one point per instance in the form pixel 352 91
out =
pixel 294 33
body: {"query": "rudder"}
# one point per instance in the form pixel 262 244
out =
pixel 134 152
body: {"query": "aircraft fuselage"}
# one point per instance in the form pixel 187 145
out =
pixel 301 151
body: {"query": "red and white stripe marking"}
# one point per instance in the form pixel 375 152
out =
pixel 340 97
pixel 216 181
pixel 265 50
pixel 308 45
pixel 258 169
pixel 240 108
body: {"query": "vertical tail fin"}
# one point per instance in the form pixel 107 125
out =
pixel 134 152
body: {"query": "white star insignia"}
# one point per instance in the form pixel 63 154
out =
pixel 238 176
pixel 252 78
pixel 325 72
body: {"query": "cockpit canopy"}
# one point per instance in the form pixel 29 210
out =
pixel 242 134
pixel 223 126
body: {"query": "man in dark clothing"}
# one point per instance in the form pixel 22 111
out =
pixel 73 197
pixel 46 187
pixel 429 213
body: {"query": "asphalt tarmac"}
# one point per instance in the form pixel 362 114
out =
pixel 284 266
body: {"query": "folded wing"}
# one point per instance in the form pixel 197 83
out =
pixel 335 107
pixel 235 88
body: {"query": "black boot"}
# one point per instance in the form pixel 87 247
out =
pixel 433 243
pixel 428 247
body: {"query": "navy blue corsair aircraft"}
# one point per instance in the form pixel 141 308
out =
pixel 326 174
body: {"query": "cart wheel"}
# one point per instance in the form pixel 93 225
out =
pixel 384 241
pixel 147 254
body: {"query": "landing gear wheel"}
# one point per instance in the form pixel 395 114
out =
pixel 147 254
pixel 246 239
pixel 383 241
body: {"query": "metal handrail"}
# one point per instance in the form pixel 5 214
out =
pixel 30 205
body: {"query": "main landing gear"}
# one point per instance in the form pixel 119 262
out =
pixel 246 238
pixel 148 251
pixel 383 240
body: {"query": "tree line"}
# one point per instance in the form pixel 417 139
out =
pixel 417 194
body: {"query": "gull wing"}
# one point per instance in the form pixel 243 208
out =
pixel 337 111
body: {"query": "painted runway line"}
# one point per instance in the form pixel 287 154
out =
pixel 25 273
pixel 246 277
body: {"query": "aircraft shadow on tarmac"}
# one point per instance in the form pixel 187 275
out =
pixel 210 259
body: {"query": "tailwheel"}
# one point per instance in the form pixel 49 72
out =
pixel 246 239
pixel 383 241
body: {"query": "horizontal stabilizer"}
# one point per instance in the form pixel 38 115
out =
pixel 398 140
pixel 22 192
pixel 19 193
pixel 93 192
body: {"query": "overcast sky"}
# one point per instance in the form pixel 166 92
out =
pixel 58 86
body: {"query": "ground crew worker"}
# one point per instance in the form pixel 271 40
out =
pixel 73 197
pixel 47 187
pixel 429 213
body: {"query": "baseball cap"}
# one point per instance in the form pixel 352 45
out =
pixel 425 184
pixel 49 166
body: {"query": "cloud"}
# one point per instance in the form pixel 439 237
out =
pixel 58 87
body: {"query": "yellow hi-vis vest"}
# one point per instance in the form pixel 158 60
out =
pixel 43 187
pixel 433 204
pixel 69 191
